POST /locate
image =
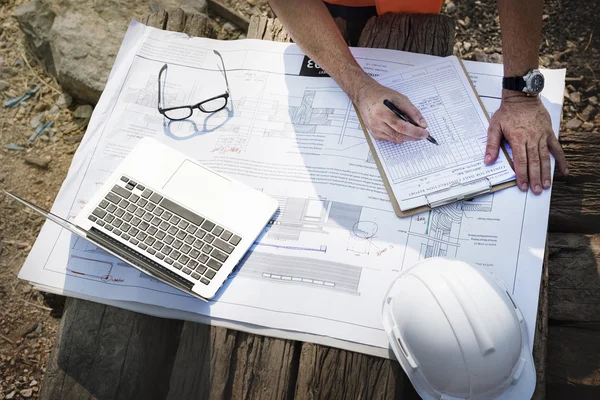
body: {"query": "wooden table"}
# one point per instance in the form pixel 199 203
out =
pixel 104 352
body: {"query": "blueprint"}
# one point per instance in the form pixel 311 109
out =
pixel 321 267
pixel 421 173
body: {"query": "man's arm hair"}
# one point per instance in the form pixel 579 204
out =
pixel 521 26
pixel 313 29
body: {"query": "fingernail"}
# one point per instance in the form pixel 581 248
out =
pixel 546 184
pixel 567 171
pixel 523 186
pixel 488 158
pixel 423 123
pixel 538 188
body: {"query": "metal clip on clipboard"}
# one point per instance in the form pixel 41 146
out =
pixel 459 192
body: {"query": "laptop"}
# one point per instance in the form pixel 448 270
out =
pixel 172 218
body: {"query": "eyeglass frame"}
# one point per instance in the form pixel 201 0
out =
pixel 164 111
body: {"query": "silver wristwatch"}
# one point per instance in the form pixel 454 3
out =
pixel 531 84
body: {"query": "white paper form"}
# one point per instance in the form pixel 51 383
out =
pixel 320 270
pixel 422 173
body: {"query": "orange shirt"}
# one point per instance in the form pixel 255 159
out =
pixel 395 6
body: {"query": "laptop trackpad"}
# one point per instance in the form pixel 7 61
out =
pixel 197 187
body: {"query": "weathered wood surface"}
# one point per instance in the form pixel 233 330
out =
pixel 575 205
pixel 107 353
pixel 228 13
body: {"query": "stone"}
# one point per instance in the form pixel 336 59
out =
pixel 574 123
pixel 27 393
pixel 11 395
pixel 3 86
pixel 592 100
pixel 37 120
pixel 229 27
pixel 588 113
pixel 74 139
pixel 1 178
pixel 34 382
pixel 450 7
pixel 83 112
pixel 575 97
pixel 64 100
pixel 489 58
pixel 587 126
pixel 467 46
pixel 81 59
pixel 40 162
pixel 9 72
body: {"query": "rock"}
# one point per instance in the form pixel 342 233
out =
pixel 1 178
pixel 593 100
pixel 64 100
pixel 575 97
pixel 9 72
pixel 489 58
pixel 37 120
pixel 83 112
pixel 11 395
pixel 450 7
pixel 81 59
pixel 467 46
pixel 587 126
pixel 3 86
pixel 34 382
pixel 229 27
pixel 242 36
pixel 574 123
pixel 27 393
pixel 26 289
pixel 588 113
pixel 54 110
pixel 74 139
pixel 40 162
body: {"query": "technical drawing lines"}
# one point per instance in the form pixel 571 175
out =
pixel 302 271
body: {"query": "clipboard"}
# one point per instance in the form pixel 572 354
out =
pixel 445 196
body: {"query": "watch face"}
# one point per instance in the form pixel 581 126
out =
pixel 536 83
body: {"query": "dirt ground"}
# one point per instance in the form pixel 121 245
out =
pixel 28 319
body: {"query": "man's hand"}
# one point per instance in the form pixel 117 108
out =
pixel 525 123
pixel 381 121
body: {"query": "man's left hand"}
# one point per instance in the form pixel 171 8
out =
pixel 526 124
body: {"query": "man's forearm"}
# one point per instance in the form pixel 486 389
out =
pixel 521 26
pixel 314 31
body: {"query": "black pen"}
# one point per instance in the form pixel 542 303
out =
pixel 406 118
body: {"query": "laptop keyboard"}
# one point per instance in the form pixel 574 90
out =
pixel 157 226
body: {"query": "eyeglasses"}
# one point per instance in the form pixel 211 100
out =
pixel 212 105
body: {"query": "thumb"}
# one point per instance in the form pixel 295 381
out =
pixel 493 143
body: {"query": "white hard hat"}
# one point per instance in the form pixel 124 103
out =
pixel 457 333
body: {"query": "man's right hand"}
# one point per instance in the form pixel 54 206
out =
pixel 381 121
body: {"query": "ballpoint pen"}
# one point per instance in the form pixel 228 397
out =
pixel 406 118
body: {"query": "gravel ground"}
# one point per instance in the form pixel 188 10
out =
pixel 29 319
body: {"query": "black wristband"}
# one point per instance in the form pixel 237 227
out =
pixel 513 83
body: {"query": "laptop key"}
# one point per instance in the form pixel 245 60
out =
pixel 142 246
pixel 125 236
pixel 131 208
pixel 191 229
pixel 134 231
pixel 156 198
pixel 98 212
pixel 198 244
pixel 210 274
pixel 152 230
pixel 217 230
pixel 221 245
pixel 125 228
pixel 166 250
pixel 119 213
pixel 226 235
pixel 134 199
pixel 158 211
pixel 139 212
pixel 164 225
pixel 121 191
pixel 109 218
pixel 134 241
pixel 149 241
pixel 141 188
pixel 127 217
pixel 124 203
pixel 141 236
pixel 190 239
pixel 208 226
pixel 173 231
pixel 160 256
pixel 111 208
pixel 184 259
pixel 219 255
pixel 100 222
pixel 214 264
pixel 193 264
pixel 117 232
pixel 160 235
pixel 209 238
pixel 155 221
pixel 177 244
pixel 187 271
pixel 175 255
pixel 205 281
pixel 181 235
pixel 183 224
pixel 113 198
pixel 195 275
pixel 129 186
pixel 147 217
pixel 203 258
pixel 158 245
pixel 185 249
pixel 117 223
pixel 235 240
pixel 169 239
pixel 135 221
pixel 200 269
pixel 147 193
pixel 181 211
pixel 177 265
pixel 194 253
pixel 200 234
pixel 175 220
pixel 151 251
pixel 142 202
pixel 144 226
pixel 92 218
pixel 150 207
pixel 166 216
pixel 124 179
pixel 207 248
pixel 108 228
pixel 103 204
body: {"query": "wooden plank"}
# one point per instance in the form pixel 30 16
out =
pixel 229 14
pixel 574 362
pixel 575 205
pixel 574 287
pixel 178 20
pixel 102 353
pixel 426 34
pixel 540 341
pixel 229 364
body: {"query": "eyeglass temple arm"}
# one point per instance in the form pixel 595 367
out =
pixel 224 70
pixel 164 68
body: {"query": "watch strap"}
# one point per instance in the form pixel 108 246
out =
pixel 514 83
